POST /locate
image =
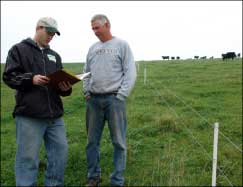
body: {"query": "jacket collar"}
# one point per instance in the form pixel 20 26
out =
pixel 31 42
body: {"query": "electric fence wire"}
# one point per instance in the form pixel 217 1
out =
pixel 221 171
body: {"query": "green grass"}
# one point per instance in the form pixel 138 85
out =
pixel 170 133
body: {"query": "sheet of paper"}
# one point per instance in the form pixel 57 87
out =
pixel 83 75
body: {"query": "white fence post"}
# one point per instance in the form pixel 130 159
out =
pixel 215 151
pixel 145 75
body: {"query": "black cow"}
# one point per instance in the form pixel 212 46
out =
pixel 172 58
pixel 165 57
pixel 238 55
pixel 178 58
pixel 229 55
pixel 196 57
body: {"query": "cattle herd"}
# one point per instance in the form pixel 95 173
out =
pixel 230 55
pixel 225 56
pixel 172 58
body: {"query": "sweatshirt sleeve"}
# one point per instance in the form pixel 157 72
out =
pixel 14 74
pixel 130 74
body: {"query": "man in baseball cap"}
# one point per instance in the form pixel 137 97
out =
pixel 49 23
pixel 39 110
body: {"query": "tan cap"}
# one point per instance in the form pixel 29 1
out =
pixel 49 23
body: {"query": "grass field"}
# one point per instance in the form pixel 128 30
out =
pixel 170 126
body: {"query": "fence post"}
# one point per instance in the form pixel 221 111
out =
pixel 145 75
pixel 215 151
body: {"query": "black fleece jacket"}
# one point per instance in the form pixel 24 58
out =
pixel 25 60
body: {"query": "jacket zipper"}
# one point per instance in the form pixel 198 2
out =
pixel 47 91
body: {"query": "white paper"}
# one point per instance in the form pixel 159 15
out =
pixel 83 75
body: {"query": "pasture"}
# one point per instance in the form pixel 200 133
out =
pixel 170 126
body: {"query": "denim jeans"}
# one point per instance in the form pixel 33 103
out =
pixel 99 109
pixel 29 135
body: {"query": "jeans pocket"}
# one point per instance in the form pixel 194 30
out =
pixel 118 100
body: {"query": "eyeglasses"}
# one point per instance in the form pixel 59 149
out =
pixel 51 33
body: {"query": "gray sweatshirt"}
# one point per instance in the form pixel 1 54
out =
pixel 112 68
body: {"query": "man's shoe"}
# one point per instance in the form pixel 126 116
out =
pixel 113 185
pixel 93 182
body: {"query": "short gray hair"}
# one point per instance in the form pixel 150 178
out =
pixel 101 18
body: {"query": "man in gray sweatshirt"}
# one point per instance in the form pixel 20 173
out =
pixel 113 75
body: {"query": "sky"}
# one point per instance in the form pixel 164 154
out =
pixel 152 28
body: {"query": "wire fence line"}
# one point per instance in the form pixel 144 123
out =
pixel 197 113
pixel 227 139
pixel 221 133
pixel 190 132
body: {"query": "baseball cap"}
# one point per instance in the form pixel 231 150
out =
pixel 49 23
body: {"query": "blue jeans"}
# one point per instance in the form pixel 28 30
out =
pixel 29 135
pixel 100 109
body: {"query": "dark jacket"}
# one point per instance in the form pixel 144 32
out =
pixel 25 60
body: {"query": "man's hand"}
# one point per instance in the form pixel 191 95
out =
pixel 64 86
pixel 40 80
pixel 88 97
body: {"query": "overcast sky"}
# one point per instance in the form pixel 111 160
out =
pixel 152 29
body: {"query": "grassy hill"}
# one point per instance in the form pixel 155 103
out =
pixel 170 126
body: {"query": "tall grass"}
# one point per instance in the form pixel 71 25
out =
pixel 169 135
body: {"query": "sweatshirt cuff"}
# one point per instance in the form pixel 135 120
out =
pixel 121 97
